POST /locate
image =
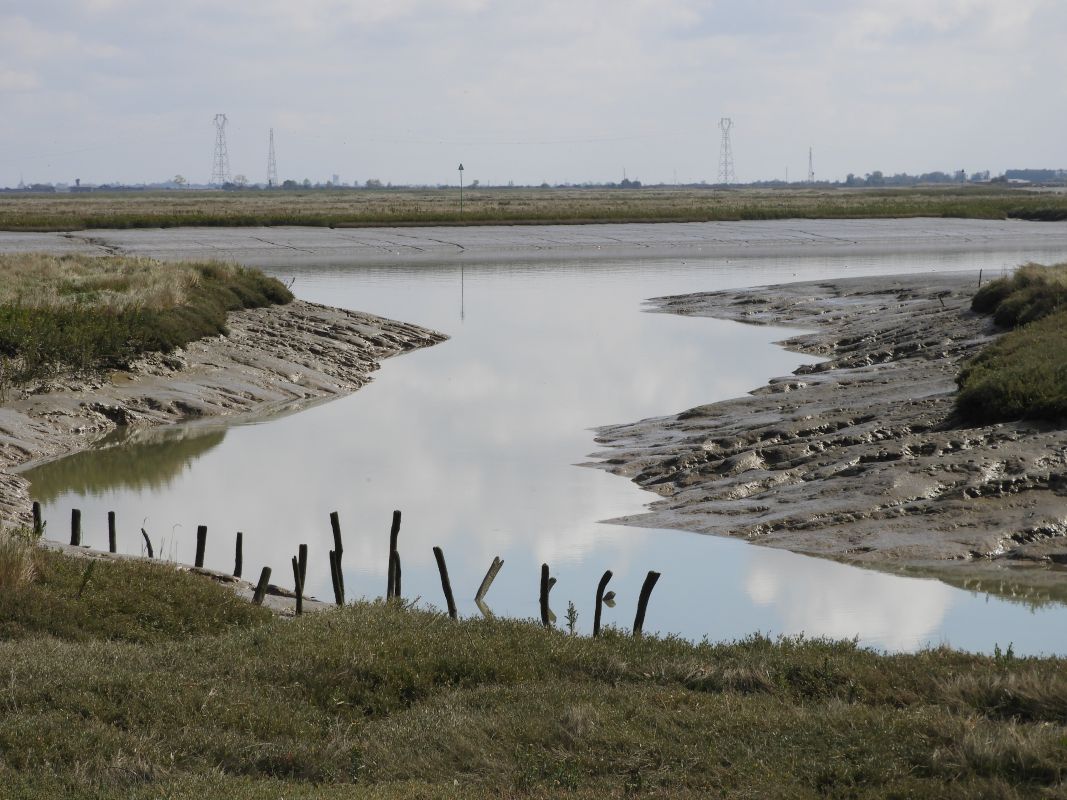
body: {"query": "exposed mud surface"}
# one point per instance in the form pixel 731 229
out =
pixel 859 458
pixel 272 360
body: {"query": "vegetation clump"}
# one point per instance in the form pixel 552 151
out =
pixel 78 314
pixel 1022 375
pixel 379 700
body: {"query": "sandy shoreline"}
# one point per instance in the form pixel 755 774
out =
pixel 273 360
pixel 858 458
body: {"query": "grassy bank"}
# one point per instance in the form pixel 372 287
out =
pixel 1024 373
pixel 379 701
pixel 61 314
pixel 514 206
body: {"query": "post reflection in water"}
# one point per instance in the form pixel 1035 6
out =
pixel 477 441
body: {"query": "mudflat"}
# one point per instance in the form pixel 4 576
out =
pixel 860 458
pixel 273 360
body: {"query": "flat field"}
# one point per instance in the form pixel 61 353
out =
pixel 352 207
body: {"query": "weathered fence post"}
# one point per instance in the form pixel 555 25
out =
pixel 338 547
pixel 201 543
pixel 112 536
pixel 490 576
pixel 38 523
pixel 299 586
pixel 446 584
pixel 148 542
pixel 394 569
pixel 642 601
pixel 391 588
pixel 302 560
pixel 600 601
pixel 546 587
pixel 335 524
pixel 261 587
pixel 238 556
pixel 75 527
pixel 335 576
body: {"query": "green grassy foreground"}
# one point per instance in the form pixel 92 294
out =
pixel 1024 373
pixel 339 208
pixel 79 314
pixel 123 692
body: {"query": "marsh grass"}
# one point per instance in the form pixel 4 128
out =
pixel 376 700
pixel 78 314
pixel 324 208
pixel 1024 373
pixel 17 562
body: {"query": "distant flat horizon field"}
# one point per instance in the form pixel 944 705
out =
pixel 486 206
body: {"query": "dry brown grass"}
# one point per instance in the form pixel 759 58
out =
pixel 112 283
pixel 17 568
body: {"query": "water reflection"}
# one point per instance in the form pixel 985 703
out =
pixel 477 440
pixel 139 460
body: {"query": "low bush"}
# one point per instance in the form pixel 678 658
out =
pixel 1023 374
pixel 78 314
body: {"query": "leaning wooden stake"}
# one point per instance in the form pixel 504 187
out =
pixel 148 542
pixel 487 581
pixel 600 601
pixel 112 536
pixel 38 523
pixel 299 586
pixel 261 587
pixel 201 544
pixel 642 601
pixel 546 587
pixel 446 584
pixel 335 576
pixel 75 527
pixel 391 589
pixel 238 556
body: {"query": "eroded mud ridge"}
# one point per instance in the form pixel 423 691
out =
pixel 858 457
pixel 272 360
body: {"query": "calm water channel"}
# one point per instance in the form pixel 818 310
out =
pixel 478 439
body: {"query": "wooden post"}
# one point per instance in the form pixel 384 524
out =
pixel 642 601
pixel 446 584
pixel 239 556
pixel 38 523
pixel 546 586
pixel 201 543
pixel 979 279
pixel 394 571
pixel 75 527
pixel 490 576
pixel 302 560
pixel 391 589
pixel 299 586
pixel 335 523
pixel 600 601
pixel 335 576
pixel 261 587
pixel 148 542
pixel 112 536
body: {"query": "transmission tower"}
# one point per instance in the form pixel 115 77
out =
pixel 811 165
pixel 272 165
pixel 220 169
pixel 726 153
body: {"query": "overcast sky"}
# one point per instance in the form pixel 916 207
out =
pixel 556 90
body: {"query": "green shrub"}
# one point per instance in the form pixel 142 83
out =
pixel 1024 373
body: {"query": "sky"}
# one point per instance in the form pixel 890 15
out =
pixel 554 90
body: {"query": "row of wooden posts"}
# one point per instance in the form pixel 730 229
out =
pixel 393 582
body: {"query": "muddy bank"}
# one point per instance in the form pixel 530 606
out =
pixel 859 458
pixel 273 360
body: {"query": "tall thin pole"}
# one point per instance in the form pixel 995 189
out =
pixel 461 190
